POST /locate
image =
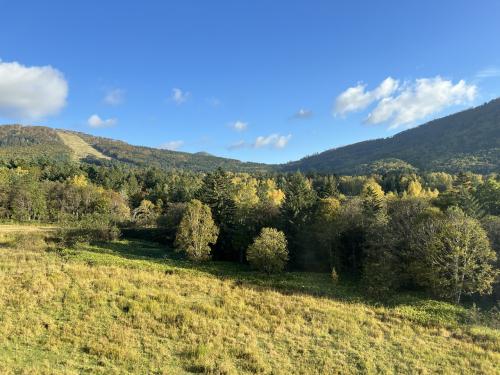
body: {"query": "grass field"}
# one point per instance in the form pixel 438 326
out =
pixel 6 229
pixel 80 148
pixel 132 307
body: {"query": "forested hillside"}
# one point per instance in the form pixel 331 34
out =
pixel 30 143
pixel 20 144
pixel 465 141
pixel 167 159
pixel 468 140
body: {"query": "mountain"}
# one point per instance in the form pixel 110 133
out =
pixel 29 143
pixel 467 140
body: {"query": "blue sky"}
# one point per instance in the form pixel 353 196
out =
pixel 253 80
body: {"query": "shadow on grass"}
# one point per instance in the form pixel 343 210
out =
pixel 415 306
pixel 288 283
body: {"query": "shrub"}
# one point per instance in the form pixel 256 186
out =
pixel 91 228
pixel 268 252
pixel 335 276
pixel 30 241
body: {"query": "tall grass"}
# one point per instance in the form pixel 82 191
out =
pixel 128 307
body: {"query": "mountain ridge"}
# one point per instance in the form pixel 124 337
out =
pixel 469 139
pixel 466 140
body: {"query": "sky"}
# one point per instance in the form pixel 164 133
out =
pixel 265 81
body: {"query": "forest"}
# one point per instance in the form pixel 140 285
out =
pixel 398 230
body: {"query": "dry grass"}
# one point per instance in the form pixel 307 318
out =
pixel 27 228
pixel 125 308
pixel 81 149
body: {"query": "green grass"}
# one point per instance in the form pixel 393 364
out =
pixel 132 307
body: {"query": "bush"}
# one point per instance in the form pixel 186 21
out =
pixel 31 241
pixel 268 252
pixel 335 276
pixel 89 229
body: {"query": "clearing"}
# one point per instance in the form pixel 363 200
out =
pixel 80 148
pixel 134 307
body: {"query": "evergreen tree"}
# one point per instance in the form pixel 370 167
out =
pixel 216 193
pixel 296 212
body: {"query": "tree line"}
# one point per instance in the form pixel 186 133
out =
pixel 397 230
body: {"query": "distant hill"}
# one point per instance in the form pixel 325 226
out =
pixel 467 140
pixel 28 143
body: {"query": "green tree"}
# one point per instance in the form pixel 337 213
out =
pixel 146 214
pixel 268 252
pixel 296 212
pixel 322 230
pixel 492 226
pixel 488 194
pixel 349 237
pixel 454 256
pixel 197 231
pixel 386 247
pixel 27 197
pixel 216 192
pixel 326 186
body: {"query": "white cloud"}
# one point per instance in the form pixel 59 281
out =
pixel 237 145
pixel 31 92
pixel 172 145
pixel 416 101
pixel 356 98
pixel 490 72
pixel 179 96
pixel 114 97
pixel 95 121
pixel 303 114
pixel 273 140
pixel 239 126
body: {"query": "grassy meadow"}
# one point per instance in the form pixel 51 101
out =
pixel 134 307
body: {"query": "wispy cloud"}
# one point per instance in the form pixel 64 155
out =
pixel 407 103
pixel 276 141
pixel 239 126
pixel 31 92
pixel 490 72
pixel 114 97
pixel 237 145
pixel 172 145
pixel 178 96
pixel 302 114
pixel 273 140
pixel 95 121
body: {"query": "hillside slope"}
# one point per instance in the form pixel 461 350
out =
pixel 31 142
pixel 28 143
pixel 166 159
pixel 465 141
pixel 133 308
pixel 79 147
pixel 468 140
